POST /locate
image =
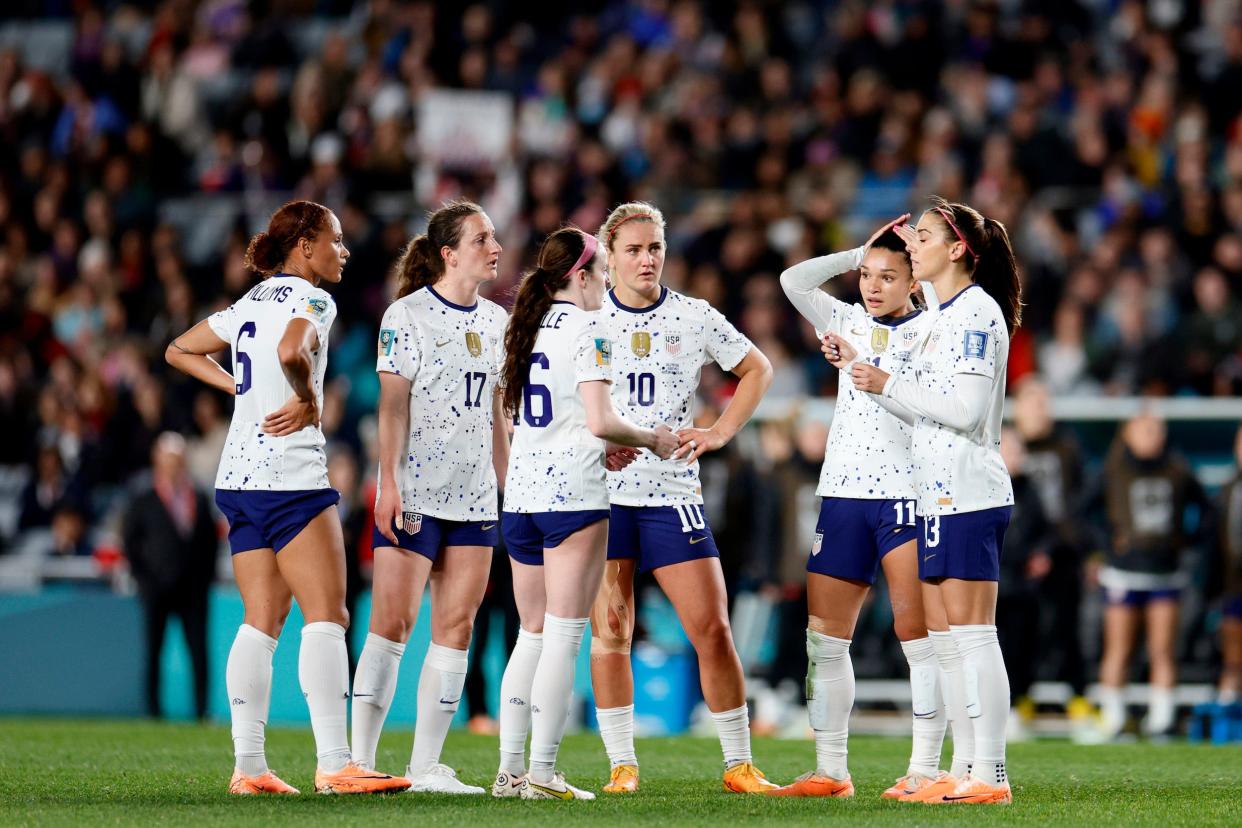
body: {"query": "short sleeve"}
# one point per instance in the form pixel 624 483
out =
pixel 973 345
pixel 398 351
pixel 317 308
pixel 221 323
pixel 592 354
pixel 725 344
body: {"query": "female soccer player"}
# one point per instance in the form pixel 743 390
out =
pixel 273 488
pixel 867 516
pixel 555 523
pixel 661 341
pixel 955 389
pixel 443 446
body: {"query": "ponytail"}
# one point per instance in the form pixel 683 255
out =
pixel 420 263
pixel 555 266
pixel 989 256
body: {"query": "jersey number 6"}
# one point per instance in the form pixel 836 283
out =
pixel 242 358
pixel 531 392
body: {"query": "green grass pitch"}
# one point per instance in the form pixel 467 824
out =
pixel 55 772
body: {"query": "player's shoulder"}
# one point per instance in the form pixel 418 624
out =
pixel 492 312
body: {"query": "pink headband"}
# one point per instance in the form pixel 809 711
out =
pixel 588 252
pixel 945 215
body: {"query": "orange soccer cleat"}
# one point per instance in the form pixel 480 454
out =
pixel 354 779
pixel 265 783
pixel 746 778
pixel 944 783
pixel 624 779
pixel 971 791
pixel 816 784
pixel 909 785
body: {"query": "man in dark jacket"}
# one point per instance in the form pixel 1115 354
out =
pixel 170 539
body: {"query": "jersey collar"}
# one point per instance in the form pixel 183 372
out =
pixel 896 323
pixel 959 294
pixel 453 305
pixel 663 295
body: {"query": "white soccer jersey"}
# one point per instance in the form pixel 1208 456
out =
pixel 451 356
pixel 253 327
pixel 657 355
pixel 956 471
pixel 556 464
pixel 868 454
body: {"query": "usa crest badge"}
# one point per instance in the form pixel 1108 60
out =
pixel 819 542
pixel 412 521
pixel 879 339
pixel 640 343
pixel 474 343
pixel 672 344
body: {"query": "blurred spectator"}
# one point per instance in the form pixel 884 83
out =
pixel 170 539
pixel 1146 490
pixel 1230 560
pixel 1024 564
pixel 45 491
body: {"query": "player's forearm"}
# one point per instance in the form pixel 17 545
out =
pixel 296 365
pixel 393 422
pixel 751 387
pixel 802 281
pixel 961 406
pixel 614 428
pixel 500 443
pixel 200 366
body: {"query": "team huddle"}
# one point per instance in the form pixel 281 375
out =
pixel 567 429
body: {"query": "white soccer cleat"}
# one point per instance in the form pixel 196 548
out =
pixel 439 778
pixel 507 785
pixel 557 788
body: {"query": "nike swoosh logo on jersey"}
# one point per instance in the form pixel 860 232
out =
pixel 699 539
pixel 442 344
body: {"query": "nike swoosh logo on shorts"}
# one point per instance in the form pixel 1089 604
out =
pixel 489 526
pixel 699 539
pixel 929 557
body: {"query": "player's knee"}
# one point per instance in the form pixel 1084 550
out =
pixel 908 629
pixel 611 636
pixel 713 636
pixel 453 628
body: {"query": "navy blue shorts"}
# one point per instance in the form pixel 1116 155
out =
pixel 965 546
pixel 1233 607
pixel 660 535
pixel 1139 598
pixel 528 534
pixel 852 536
pixel 269 520
pixel 427 535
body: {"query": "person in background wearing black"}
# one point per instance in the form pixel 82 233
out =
pixel 1053 465
pixel 1146 489
pixel 169 537
pixel 1024 562
pixel 1229 690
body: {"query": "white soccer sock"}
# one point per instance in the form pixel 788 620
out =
pixel 929 718
pixel 439 694
pixel 515 700
pixel 987 698
pixel 1161 710
pixel 953 691
pixel 1112 709
pixel 375 683
pixel 733 727
pixel 616 728
pixel 551 691
pixel 248 679
pixel 323 672
pixel 830 698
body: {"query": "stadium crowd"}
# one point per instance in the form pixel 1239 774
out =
pixel 143 153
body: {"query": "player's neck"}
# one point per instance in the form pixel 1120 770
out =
pixel 949 284
pixel 458 289
pixel 633 299
pixel 290 269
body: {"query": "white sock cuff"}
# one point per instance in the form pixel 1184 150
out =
pixel 326 628
pixel 257 635
pixel 972 637
pixel 387 645
pixel 822 647
pixel 448 659
pixel 736 713
pixel 919 650
pixel 533 639
pixel 947 652
pixel 611 712
pixel 565 629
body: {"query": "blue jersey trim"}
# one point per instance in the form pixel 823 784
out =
pixel 648 309
pixel 889 322
pixel 959 293
pixel 453 305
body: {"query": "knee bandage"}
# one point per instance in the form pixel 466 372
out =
pixel 610 616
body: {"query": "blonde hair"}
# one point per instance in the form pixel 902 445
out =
pixel 622 213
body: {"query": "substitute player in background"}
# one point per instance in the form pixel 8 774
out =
pixel 661 340
pixel 867 516
pixel 272 486
pixel 442 446
pixel 556 375
pixel 955 390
